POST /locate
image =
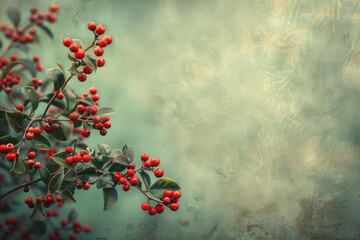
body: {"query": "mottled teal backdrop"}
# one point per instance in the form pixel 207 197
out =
pixel 251 105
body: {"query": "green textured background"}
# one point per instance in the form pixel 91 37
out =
pixel 251 105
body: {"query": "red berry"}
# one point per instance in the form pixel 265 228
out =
pixel 145 206
pixel 87 229
pixel 85 133
pixel 160 208
pixel 108 39
pixel 107 124
pixel 67 42
pixel 10 147
pixel 60 96
pixel 13 57
pixel 134 181
pixel 100 62
pixel 117 176
pixel 74 116
pixel 86 158
pixel 73 237
pixel 87 69
pixel 93 90
pixel 168 193
pixel 37 130
pixel 152 211
pixel 100 29
pixel 146 164
pixel 59 198
pixel 131 166
pixel 39 67
pixel 154 162
pixel 64 223
pixel 159 172
pixel 77 158
pixel 30 163
pixel 51 17
pixel 91 26
pixel 102 43
pixel 29 136
pixel 39 199
pixel 103 132
pixel 80 108
pixel 122 180
pixel 98 51
pixel 144 157
pixel 28 200
pixel 166 200
pixel 176 195
pixel 95 98
pixel 82 77
pixel 86 186
pixel 50 199
pixel 74 47
pixel 11 157
pixel 20 107
pixel 49 213
pixel 130 172
pixel 54 8
pixel 31 155
pixel 69 160
pixel 68 149
pixel 126 187
pixel 174 206
pixel 80 54
pixel 37 165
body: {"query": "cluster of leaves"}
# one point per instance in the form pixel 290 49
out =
pixel 51 109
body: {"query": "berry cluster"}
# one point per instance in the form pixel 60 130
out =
pixel 17 35
pixel 169 199
pixel 30 162
pixel 77 227
pixel 150 165
pixel 127 179
pixel 82 185
pixel 50 125
pixel 74 158
pixel 9 81
pixel 32 132
pixel 39 17
pixel 36 83
pixel 9 150
pixel 46 201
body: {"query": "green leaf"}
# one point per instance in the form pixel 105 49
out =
pixel 110 197
pixel 114 153
pixel 68 197
pixel 104 111
pixel 121 159
pixel 117 167
pixel 37 214
pixel 91 62
pixel 46 30
pixel 104 149
pixel 60 66
pixel 32 95
pixel 62 133
pixel 60 158
pixel 73 69
pixel 38 228
pixel 3 114
pixel 72 216
pixel 15 120
pixel 56 181
pixel 9 67
pixel 71 101
pixel 44 174
pixel 29 65
pixel 88 101
pixel 158 188
pixel 40 142
pixel 14 15
pixel 8 139
pixel 105 181
pixel 70 175
pixel 88 175
pixel 18 167
pixel 146 178
pixel 57 76
pixel 128 152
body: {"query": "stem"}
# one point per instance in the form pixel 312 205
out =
pixel 11 100
pixel 2 54
pixel 23 185
pixel 149 197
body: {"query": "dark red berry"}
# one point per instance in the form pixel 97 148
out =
pixel 126 187
pixel 82 77
pixel 87 69
pixel 159 172
pixel 100 29
pixel 11 157
pixel 73 116
pixel 154 162
pixel 130 172
pixel 80 54
pixel 59 198
pixel 86 186
pixel 145 206
pixel 152 211
pixel 67 42
pixel 176 195
pixel 87 229
pixel 134 181
pixel 108 39
pixel 174 206
pixel 144 157
pixel 166 200
pixel 91 26
pixel 31 154
pixel 74 47
pixel 131 166
pixel 102 43
pixel 122 180
pixel 93 90
pixel 98 51
pixel 100 62
pixel 160 208
pixel 168 193
pixel 28 200
pixel 68 149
